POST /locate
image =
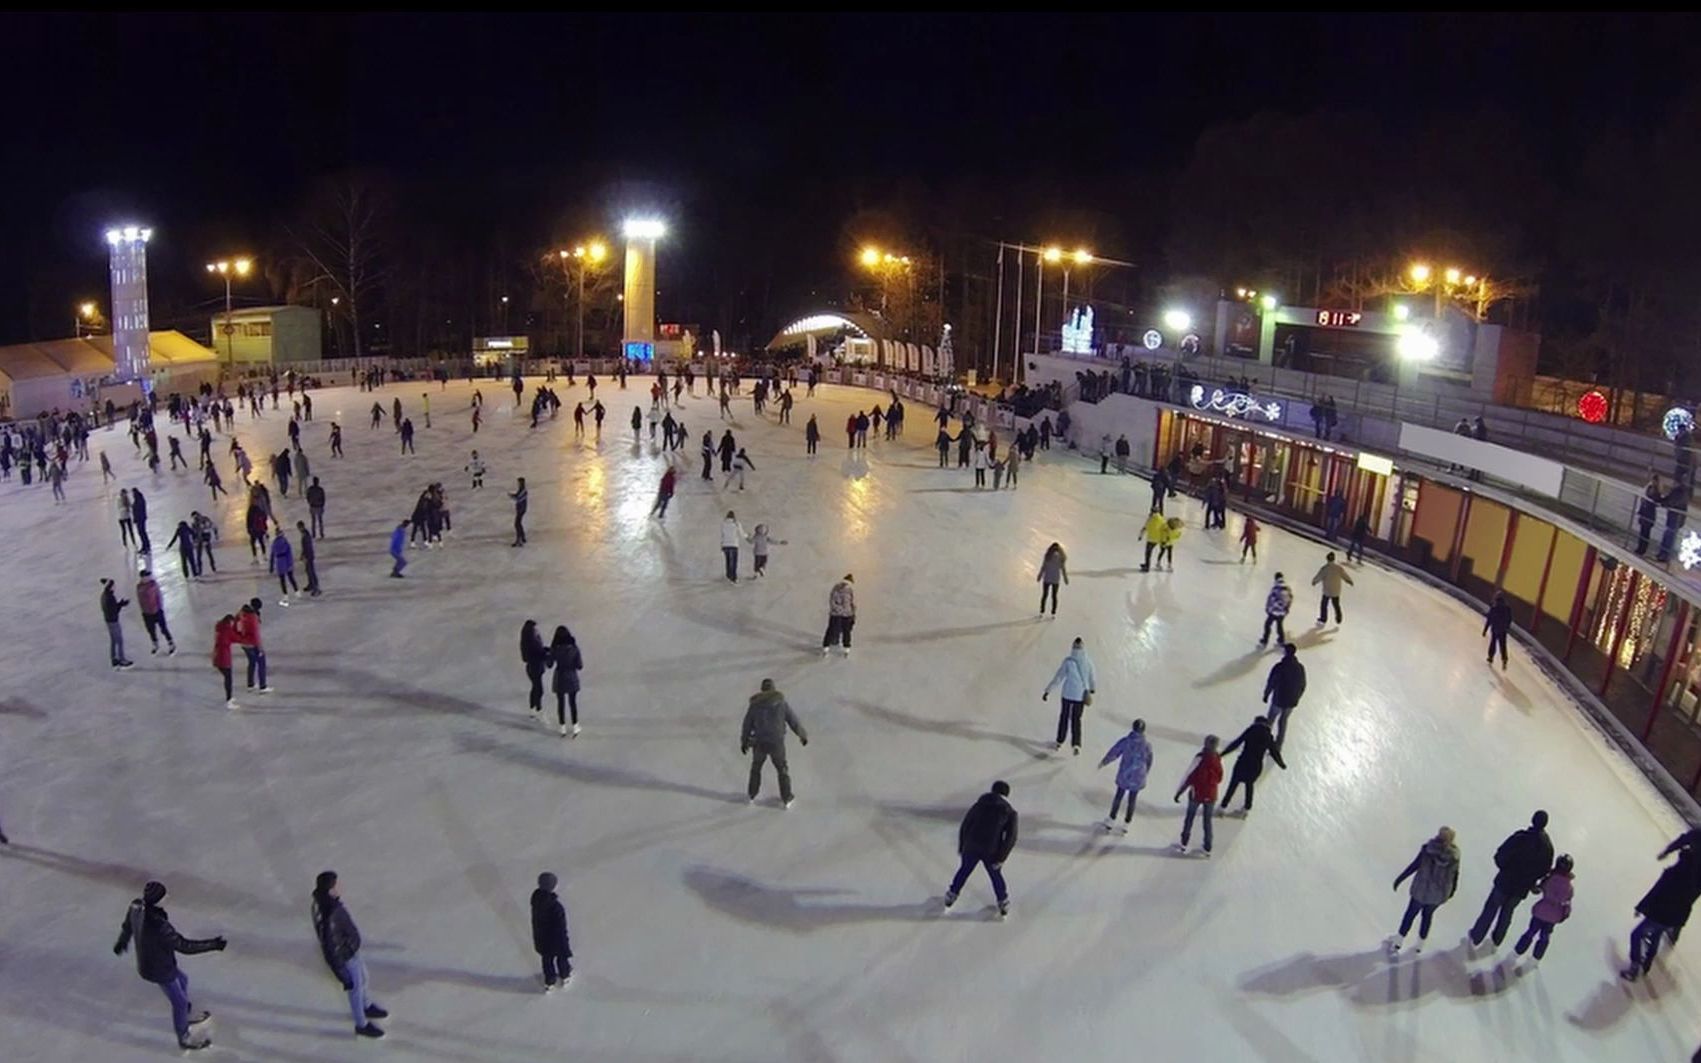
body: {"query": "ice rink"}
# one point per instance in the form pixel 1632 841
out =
pixel 399 751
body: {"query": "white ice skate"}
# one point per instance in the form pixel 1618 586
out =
pixel 1392 944
pixel 575 730
pixel 231 704
pixel 563 730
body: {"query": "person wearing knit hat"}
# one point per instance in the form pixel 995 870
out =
pixel 549 934
pixel 157 945
pixel 841 615
pixel 339 942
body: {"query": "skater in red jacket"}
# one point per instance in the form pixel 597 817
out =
pixel 1200 784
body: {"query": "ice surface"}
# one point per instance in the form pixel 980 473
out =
pixel 398 751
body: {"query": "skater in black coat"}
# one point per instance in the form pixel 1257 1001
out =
pixel 549 934
pixel 727 448
pixel 535 657
pixel 1283 688
pixel 1524 859
pixel 987 836
pixel 157 945
pixel 1496 623
pixel 1254 743
pixel 565 658
pixel 1666 907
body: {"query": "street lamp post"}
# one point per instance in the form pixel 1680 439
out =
pixel 85 312
pixel 225 268
pixel 586 255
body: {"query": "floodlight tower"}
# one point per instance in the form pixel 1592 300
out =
pixel 640 293
pixel 128 245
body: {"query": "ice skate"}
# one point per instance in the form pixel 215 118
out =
pixel 369 1030
pixel 194 1042
pixel 1004 909
pixel 575 730
pixel 231 704
pixel 1630 974
pixel 1108 824
pixel 1179 848
pixel 284 601
pixel 199 1017
pixel 823 651
pixel 1417 950
pixel 373 1011
pixel 563 730
pixel 1392 944
pixel 171 651
pixel 949 899
pixel 153 650
pixel 1203 854
pixel 787 802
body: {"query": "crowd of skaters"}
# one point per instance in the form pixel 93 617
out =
pixel 988 834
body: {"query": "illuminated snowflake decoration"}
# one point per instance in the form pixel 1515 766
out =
pixel 1234 404
pixel 1677 421
pixel 1689 550
pixel 1592 406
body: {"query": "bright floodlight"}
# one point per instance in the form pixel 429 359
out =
pixel 87 309
pixel 1269 302
pixel 644 229
pixel 243 265
pixel 1419 272
pixel 1402 311
pixel 1082 256
pixel 128 234
pixel 1178 320
pixel 597 252
pixel 1452 275
pixel 871 257
pixel 1418 347
pixel 1054 254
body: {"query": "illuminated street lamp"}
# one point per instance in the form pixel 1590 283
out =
pixel 1419 273
pixel 882 263
pixel 86 314
pixel 227 268
pixel 588 256
pixel 1178 320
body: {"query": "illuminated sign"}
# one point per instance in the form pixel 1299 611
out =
pixel 1233 403
pixel 1378 465
pixel 1339 318
pixel 1677 421
pixel 501 343
pixel 1078 332
pixel 639 351
pixel 1153 339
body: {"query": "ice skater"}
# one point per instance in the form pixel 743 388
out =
pixel 1155 532
pixel 987 837
pixel 1551 909
pixel 811 434
pixel 519 497
pixel 126 522
pixel 475 469
pixel 1254 743
pixel 224 637
pixel 1435 876
pixel 763 737
pixel 248 637
pixel 1204 776
pixel 1665 908
pixel 535 656
pixel 339 943
pixel 158 944
pixel 841 615
pixel 1523 859
pixel 1054 567
pixel 281 560
pixel 308 556
pixel 760 542
pixel 741 463
pixel 1249 539
pixel 664 493
pixel 153 613
pixel 565 658
pixel 1078 682
pixel 1283 688
pixel 1497 622
pixel 1134 756
pixel 549 934
pixel 1331 576
pixel 111 607
pixel 1276 606
pixel 732 533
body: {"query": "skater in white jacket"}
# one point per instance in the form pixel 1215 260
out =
pixel 732 533
pixel 1075 675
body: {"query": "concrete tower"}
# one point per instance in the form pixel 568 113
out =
pixel 640 294
pixel 129 247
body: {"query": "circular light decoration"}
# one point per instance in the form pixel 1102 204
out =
pixel 1592 406
pixel 1153 339
pixel 1190 344
pixel 1689 550
pixel 1677 421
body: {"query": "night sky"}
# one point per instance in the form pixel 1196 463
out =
pixel 758 136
